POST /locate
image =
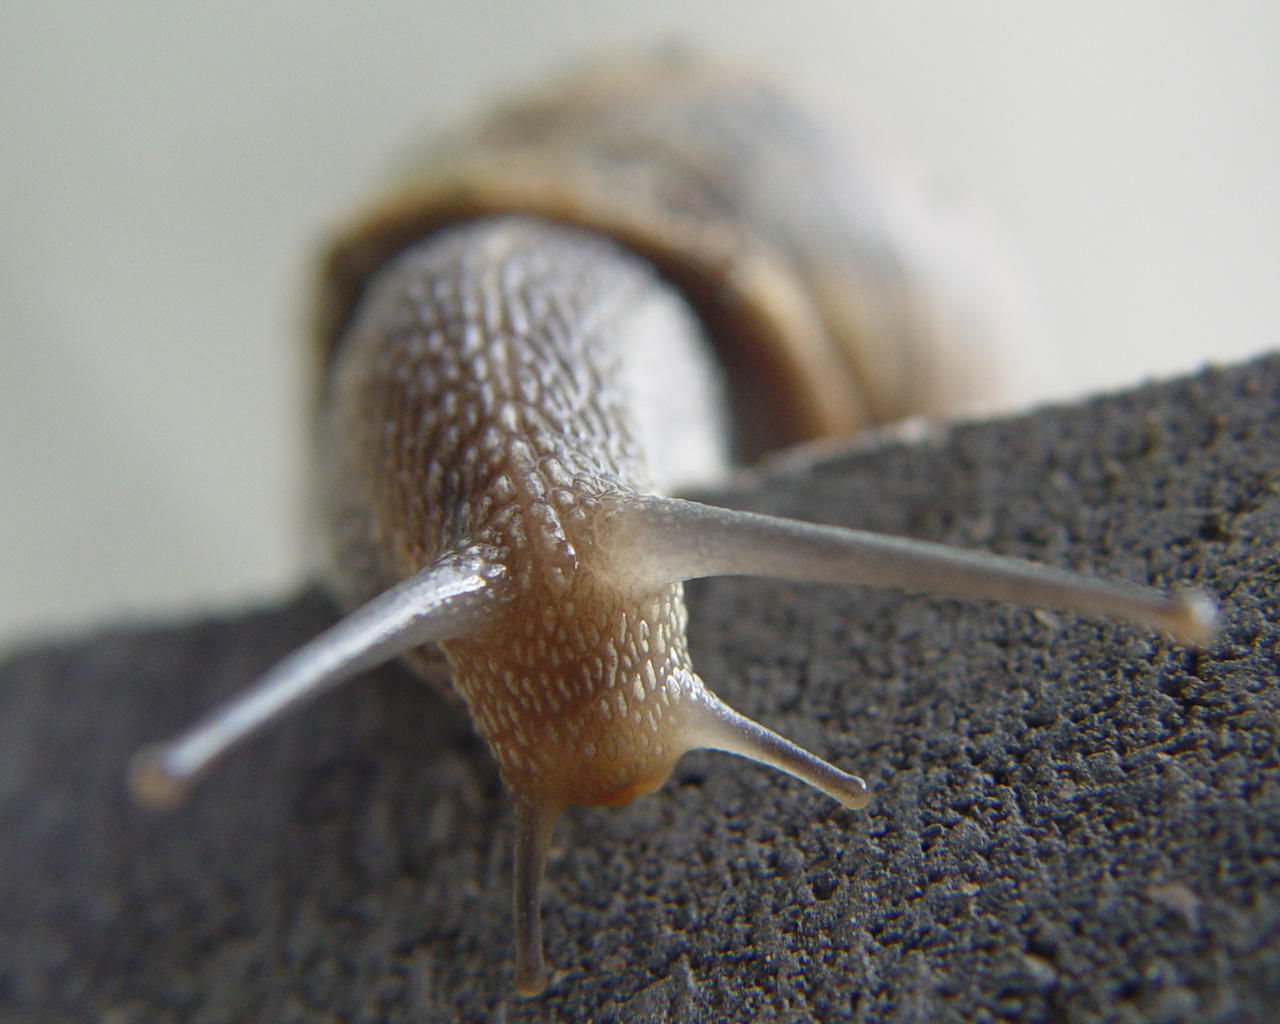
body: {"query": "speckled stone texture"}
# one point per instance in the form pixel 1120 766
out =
pixel 1072 820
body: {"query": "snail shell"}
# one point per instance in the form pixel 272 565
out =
pixel 829 304
pixel 523 351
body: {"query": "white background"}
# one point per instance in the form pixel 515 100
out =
pixel 167 170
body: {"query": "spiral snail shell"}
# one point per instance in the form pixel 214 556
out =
pixel 561 316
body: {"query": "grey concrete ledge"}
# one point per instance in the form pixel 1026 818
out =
pixel 1072 820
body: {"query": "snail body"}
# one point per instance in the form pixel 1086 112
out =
pixel 523 367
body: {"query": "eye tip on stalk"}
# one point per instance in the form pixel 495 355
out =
pixel 1194 618
pixel 153 783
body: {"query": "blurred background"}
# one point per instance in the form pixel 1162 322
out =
pixel 166 172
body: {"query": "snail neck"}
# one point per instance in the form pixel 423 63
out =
pixel 499 375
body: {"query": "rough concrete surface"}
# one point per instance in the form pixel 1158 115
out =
pixel 1072 820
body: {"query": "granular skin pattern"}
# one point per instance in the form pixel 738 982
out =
pixel 487 410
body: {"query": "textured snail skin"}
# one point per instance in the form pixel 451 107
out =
pixel 481 402
pixel 508 405
pixel 489 399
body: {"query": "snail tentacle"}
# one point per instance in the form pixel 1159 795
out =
pixel 448 599
pixel 658 541
pixel 716 726
pixel 535 824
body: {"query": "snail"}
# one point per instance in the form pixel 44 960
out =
pixel 563 316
